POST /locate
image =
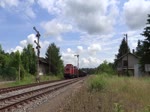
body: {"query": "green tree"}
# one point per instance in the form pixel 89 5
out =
pixel 3 58
pixel 123 49
pixel 53 58
pixel 139 48
pixel 145 56
pixel 105 67
pixel 7 72
pixel 1 49
pixel 18 65
pixel 28 58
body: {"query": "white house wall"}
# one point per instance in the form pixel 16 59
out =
pixel 132 60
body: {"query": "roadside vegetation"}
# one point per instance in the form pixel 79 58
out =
pixel 21 67
pixel 28 79
pixel 105 93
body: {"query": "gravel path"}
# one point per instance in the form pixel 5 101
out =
pixel 56 101
pixel 27 89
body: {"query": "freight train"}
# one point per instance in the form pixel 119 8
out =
pixel 71 71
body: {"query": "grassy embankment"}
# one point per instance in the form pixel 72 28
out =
pixel 104 93
pixel 30 79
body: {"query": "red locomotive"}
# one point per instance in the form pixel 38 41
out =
pixel 71 71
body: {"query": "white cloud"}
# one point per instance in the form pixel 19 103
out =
pixel 89 62
pixel 79 49
pixel 68 57
pixel 30 13
pixel 24 8
pixel 69 50
pixel 92 16
pixel 23 43
pixel 49 5
pixel 133 37
pixel 85 60
pixel 18 48
pixel 9 3
pixel 94 48
pixel 30 40
pixel 135 12
pixel 55 29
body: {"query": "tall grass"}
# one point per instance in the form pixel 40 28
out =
pixel 97 83
pixel 105 93
pixel 28 79
pixel 132 93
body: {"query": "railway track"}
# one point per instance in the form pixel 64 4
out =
pixel 9 103
pixel 10 89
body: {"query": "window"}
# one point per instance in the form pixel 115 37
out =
pixel 125 63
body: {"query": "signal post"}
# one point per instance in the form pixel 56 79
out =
pixel 38 53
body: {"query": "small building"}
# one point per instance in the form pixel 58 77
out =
pixel 43 66
pixel 127 61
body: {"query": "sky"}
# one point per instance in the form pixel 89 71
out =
pixel 93 29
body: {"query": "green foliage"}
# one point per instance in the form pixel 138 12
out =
pixel 28 79
pixel 16 63
pixel 106 67
pixel 147 109
pixel 139 48
pixel 53 58
pixel 8 73
pixel 97 83
pixel 118 107
pixel 28 58
pixel 89 70
pixel 145 54
pixel 123 49
pixel 4 60
pixel 1 50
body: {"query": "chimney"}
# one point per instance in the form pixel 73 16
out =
pixel 133 51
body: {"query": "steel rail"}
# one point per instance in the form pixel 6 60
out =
pixel 33 96
pixel 10 89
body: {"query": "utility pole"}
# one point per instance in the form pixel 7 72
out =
pixel 38 53
pixel 127 51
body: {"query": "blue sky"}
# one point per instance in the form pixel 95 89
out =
pixel 91 28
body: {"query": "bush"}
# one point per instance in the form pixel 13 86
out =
pixel 118 107
pixel 147 109
pixel 97 83
pixel 106 67
pixel 8 73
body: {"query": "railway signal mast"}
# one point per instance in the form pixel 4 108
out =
pixel 38 52
pixel 77 60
